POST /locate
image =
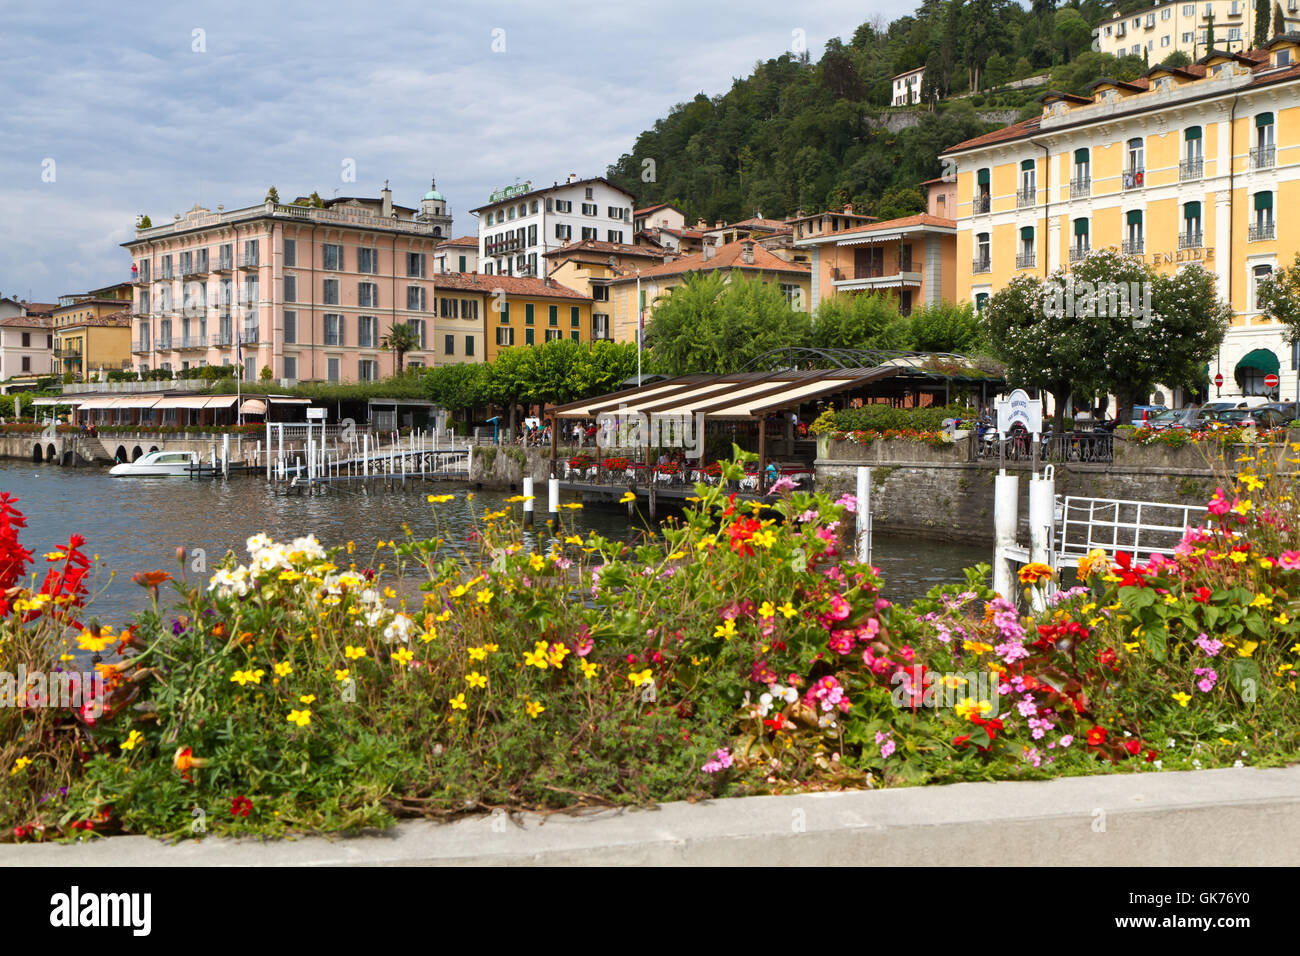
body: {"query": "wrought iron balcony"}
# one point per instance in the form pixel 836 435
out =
pixel 1026 197
pixel 1190 169
pixel 1191 240
pixel 1133 247
pixel 1134 178
pixel 247 261
pixel 1080 187
pixel 140 345
pixel 1257 231
pixel 982 204
pixel 1263 157
pixel 223 340
pixel 193 342
pixel 1026 260
pixel 140 278
pixel 224 264
pixel 982 264
pixel 1079 253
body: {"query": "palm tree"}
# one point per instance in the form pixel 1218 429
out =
pixel 401 339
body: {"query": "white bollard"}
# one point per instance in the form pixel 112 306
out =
pixel 311 457
pixel 528 502
pixel 864 515
pixel 365 455
pixel 268 451
pixel 1042 518
pixel 1006 508
pixel 553 489
pixel 225 455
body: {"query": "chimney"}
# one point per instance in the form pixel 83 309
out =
pixel 747 252
pixel 386 194
pixel 549 283
pixel 573 177
pixel 848 209
pixel 718 224
pixel 700 224
pixel 708 249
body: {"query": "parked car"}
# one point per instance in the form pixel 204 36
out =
pixel 1290 410
pixel 1265 417
pixel 1249 401
pixel 1191 419
pixel 1141 414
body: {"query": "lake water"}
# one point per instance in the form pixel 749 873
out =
pixel 136 524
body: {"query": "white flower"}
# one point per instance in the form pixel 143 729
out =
pixel 257 543
pixel 229 583
pixel 399 629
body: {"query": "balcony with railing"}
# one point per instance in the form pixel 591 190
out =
pixel 1026 197
pixel 982 204
pixel 982 264
pixel 1134 178
pixel 1080 187
pixel 224 264
pixel 1025 260
pixel 247 261
pixel 140 346
pixel 1133 247
pixel 1079 253
pixel 140 278
pixel 192 269
pixel 163 345
pixel 193 342
pixel 248 335
pixel 1258 231
pixel 1190 169
pixel 1191 239
pixel 1263 157
pixel 223 340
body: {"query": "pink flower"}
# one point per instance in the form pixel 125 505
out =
pixel 1209 645
pixel 784 483
pixel 839 608
pixel 841 642
pixel 887 745
pixel 1219 504
pixel 1289 560
pixel 1208 678
pixel 850 503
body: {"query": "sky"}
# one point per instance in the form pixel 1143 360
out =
pixel 114 110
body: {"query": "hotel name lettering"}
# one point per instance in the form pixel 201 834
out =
pixel 1182 255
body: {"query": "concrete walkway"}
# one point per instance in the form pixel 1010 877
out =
pixel 1206 818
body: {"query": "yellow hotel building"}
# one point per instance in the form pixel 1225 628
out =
pixel 1182 165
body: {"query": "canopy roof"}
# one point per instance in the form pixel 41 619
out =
pixel 1262 359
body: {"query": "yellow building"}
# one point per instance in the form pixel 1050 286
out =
pixel 503 311
pixel 745 257
pixel 589 267
pixel 1159 30
pixel 1182 165
pixel 86 347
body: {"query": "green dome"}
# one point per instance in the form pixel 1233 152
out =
pixel 434 194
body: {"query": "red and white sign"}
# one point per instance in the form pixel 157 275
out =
pixel 1270 380
pixel 1218 381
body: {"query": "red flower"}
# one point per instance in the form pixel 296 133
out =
pixel 775 722
pixel 240 806
pixel 961 741
pixel 740 532
pixel 1096 737
pixel 1107 659
pixel 1202 595
pixel 1133 746
pixel 1151 755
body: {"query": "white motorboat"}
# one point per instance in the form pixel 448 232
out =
pixel 158 464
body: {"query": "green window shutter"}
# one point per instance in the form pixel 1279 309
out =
pixel 575 316
pixel 1263 200
pixel 982 177
pixel 1135 217
pixel 505 312
pixel 1264 119
pixel 1027 164
pixel 575 336
pixel 1192 210
pixel 553 315
pixel 1080 227
pixel 528 314
pixel 1027 233
pixel 1080 157
pixel 1192 132
pixel 528 336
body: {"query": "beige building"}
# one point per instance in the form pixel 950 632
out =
pixel 87 348
pixel 1159 30
pixel 590 266
pixel 26 346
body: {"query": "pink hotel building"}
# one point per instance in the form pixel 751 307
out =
pixel 309 292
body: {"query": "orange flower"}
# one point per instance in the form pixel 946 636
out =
pixel 1034 572
pixel 150 579
pixel 184 760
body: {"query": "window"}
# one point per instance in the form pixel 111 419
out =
pixel 1081 183
pixel 469 339
pixel 165 267
pixel 368 295
pixel 330 292
pixel 367 332
pixel 1133 244
pixel 1025 257
pixel 1164 14
pixel 250 367
pixel 1190 238
pixel 615 235
pixel 575 317
pixel 417 298
pixel 1234 33
pixel 553 315
pixel 415 264
pixel 588 233
pixel 505 335
pixel 982 195
pixel 589 209
pixel 510 213
pixel 563 205
pixel 587 192
pixel 1262 225
pixel 983 253
pixel 368 261
pixel 1262 153
pixel 332 369
pixel 528 336
pixel 449 344
pixel 599 325
pixel 1027 194
pixel 532 232
pixel 291 366
pixel 27 340
pixel 290 252
pixel 600 293
pixel 469 308
pixel 1187 38
pixel 1283 58
pixel 250 253
pixel 1135 172
pixel 1164 40
pixel 504 312
pixel 528 313
pixel 1079 248
pixel 981 300
pixel 290 329
pixel 250 292
pixel 1189 10
pixel 333 329
pixel 615 212
pixel 331 257
pixel 225 256
pixel 418 327
pixel 576 336
pixel 553 335
pixel 367 370
pixel 563 232
pixel 1258 275
pixel 290 288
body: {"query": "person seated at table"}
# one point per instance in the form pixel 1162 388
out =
pixel 772 471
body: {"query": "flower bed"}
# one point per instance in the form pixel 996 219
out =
pixel 866 437
pixel 739 650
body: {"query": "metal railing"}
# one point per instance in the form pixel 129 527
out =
pixel 1133 247
pixel 1140 528
pixel 982 264
pixel 193 342
pixel 248 262
pixel 140 345
pixel 1080 187
pixel 163 345
pixel 1078 253
pixel 1260 230
pixel 1025 260
pixel 1134 178
pixel 1190 240
pixel 982 204
pixel 1189 169
pixel 140 278
pixel 224 264
pixel 223 339
pixel 1263 157
pixel 1026 197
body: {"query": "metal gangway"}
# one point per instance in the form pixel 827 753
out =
pixel 1140 528
pixel 346 455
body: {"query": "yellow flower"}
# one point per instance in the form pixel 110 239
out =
pixel 970 707
pixel 1250 481
pixel 1282 618
pixel 458 702
pixel 977 647
pixel 404 656
pixel 1170 599
pixel 1241 507
pixel 726 630
pixel 1034 572
pixel 491 648
pixel 573 539
pixel 1237 557
pixel 300 717
pixel 132 739
pixel 572 506
pixel 439 499
pixel 589 670
pixel 641 677
pixel 243 678
pixel 475 679
pixel 767 609
pixel 477 654
pixel 307 699
pixel 341 675
pixel 1093 561
pixel 1132 648
pixel 628 498
pixel 787 609
pixel 1247 649
pixel 1182 698
pixel 430 633
pixel 444 616
pixel 764 539
pixel 290 575
pixel 20 764
pixel 536 562
pixel 87 641
pixel 537 656
pixel 1261 600
pixel 557 654
pixel 534 709
pixel 485 596
pixel 1265 563
pixel 517 499
pixel 354 653
pixel 283 669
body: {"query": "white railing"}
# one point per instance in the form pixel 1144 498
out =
pixel 1141 528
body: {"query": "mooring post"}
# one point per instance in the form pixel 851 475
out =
pixel 225 455
pixel 553 496
pixel 268 451
pixel 864 515
pixel 528 502
pixel 1042 518
pixel 1006 508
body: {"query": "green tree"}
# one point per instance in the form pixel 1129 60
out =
pixel 146 222
pixel 401 338
pixel 946 327
pixel 510 379
pixel 899 201
pixel 457 388
pixel 1261 23
pixel 1071 31
pixel 1279 21
pixel 1176 59
pixel 1279 299
pixel 272 195
pixel 852 321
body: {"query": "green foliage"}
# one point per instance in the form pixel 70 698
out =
pixel 400 339
pixel 1279 298
pixel 872 321
pixel 272 195
pixel 885 417
pixel 715 323
pixel 1177 58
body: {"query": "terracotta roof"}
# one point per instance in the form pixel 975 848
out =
pixel 595 246
pixel 462 241
pixel 26 321
pixel 1137 87
pixel 727 256
pixel 40 308
pixel 120 319
pixel 80 303
pixel 891 225
pixel 649 209
pixel 510 285
pixel 756 222
pixel 551 189
pixel 1014 131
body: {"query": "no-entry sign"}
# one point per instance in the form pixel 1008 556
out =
pixel 1218 381
pixel 1270 380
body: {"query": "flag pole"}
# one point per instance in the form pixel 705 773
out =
pixel 640 326
pixel 239 377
